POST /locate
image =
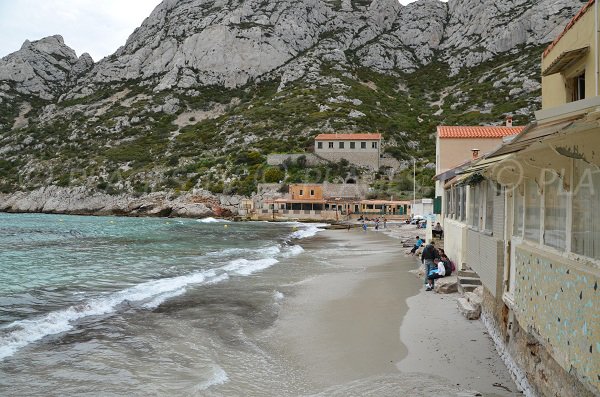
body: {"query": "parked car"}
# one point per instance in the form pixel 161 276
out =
pixel 415 220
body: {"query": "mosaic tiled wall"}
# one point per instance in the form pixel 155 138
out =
pixel 561 303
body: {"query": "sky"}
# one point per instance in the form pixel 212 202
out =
pixel 97 27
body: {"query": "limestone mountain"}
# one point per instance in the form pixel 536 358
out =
pixel 204 89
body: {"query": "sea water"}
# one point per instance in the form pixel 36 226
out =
pixel 145 306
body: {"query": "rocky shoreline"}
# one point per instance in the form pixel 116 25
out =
pixel 83 201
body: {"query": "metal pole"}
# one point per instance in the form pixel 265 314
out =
pixel 414 186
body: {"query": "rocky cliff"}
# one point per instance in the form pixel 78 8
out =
pixel 204 89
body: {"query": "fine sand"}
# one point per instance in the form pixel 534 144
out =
pixel 368 327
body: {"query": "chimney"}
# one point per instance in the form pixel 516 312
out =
pixel 509 121
pixel 475 153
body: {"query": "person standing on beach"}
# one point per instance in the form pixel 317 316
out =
pixel 429 255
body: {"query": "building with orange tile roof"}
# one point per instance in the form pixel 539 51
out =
pixel 456 144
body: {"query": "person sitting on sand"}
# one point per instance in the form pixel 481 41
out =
pixel 418 244
pixel 436 272
pixel 438 231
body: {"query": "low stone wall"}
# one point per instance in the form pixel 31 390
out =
pixel 279 159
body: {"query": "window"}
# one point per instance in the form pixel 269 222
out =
pixel 352 145
pixel 373 145
pixel 301 192
pixel 341 145
pixel 363 145
pixel 555 211
pixel 330 145
pixel 532 212
pixel 462 202
pixel 585 234
pixel 489 205
pixel 579 87
pixel 312 192
pixel 319 145
pixel 518 202
pixel 474 205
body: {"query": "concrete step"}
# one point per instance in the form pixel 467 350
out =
pixel 464 288
pixel 467 273
pixel 467 309
pixel 474 299
pixel 470 280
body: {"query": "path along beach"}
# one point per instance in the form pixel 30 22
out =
pixel 369 328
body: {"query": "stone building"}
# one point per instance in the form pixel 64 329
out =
pixel 363 150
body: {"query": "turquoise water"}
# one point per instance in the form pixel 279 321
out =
pixel 93 300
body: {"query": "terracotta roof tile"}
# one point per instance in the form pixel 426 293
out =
pixel 347 137
pixel 447 131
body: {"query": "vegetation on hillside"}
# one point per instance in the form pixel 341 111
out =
pixel 121 139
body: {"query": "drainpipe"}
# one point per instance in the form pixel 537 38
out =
pixel 596 42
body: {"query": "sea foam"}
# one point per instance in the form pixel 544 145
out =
pixel 148 295
pixel 307 230
pixel 219 377
pixel 212 220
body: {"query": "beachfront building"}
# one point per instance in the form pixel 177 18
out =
pixel 532 208
pixel 363 150
pixel 455 145
pixel 422 207
pixel 329 202
pixel 387 208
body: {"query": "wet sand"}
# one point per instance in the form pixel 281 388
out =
pixel 367 327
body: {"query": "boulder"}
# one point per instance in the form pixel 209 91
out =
pixel 467 309
pixel 446 285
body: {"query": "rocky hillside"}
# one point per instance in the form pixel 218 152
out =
pixel 205 89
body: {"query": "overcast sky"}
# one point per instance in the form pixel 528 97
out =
pixel 98 27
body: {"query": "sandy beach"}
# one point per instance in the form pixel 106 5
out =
pixel 368 327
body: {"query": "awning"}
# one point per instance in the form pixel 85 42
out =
pixel 486 162
pixel 565 60
pixel 533 133
pixel 462 178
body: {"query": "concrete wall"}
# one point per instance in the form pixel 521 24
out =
pixel 455 151
pixel 455 236
pixel 485 256
pixel 581 34
pixel 300 215
pixel 361 158
pixel 558 301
